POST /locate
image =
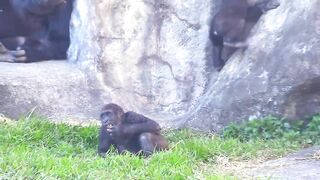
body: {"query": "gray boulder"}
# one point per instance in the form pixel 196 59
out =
pixel 54 89
pixel 277 75
pixel 154 57
pixel 149 56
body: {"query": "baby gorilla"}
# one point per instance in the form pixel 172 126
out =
pixel 128 132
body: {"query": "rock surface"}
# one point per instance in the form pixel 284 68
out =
pixel 54 89
pixel 153 57
pixel 148 56
pixel 303 165
pixel 277 75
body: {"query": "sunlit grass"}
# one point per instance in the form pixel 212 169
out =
pixel 38 149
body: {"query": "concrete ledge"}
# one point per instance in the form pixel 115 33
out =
pixel 56 89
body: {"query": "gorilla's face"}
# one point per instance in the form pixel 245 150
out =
pixel 111 115
pixel 107 117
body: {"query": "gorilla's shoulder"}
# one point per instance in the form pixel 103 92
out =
pixel 133 117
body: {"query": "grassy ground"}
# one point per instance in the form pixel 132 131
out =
pixel 37 149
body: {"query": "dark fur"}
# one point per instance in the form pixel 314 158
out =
pixel 232 24
pixel 128 131
pixel 40 28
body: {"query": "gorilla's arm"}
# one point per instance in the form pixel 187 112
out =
pixel 104 141
pixel 135 123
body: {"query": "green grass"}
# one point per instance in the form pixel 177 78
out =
pixel 37 149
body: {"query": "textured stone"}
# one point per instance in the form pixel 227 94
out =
pixel 153 57
pixel 54 89
pixel 149 56
pixel 277 75
pixel 302 165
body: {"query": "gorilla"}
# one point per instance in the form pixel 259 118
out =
pixel 128 131
pixel 34 30
pixel 232 24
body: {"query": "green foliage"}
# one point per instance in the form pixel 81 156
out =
pixel 274 128
pixel 312 131
pixel 266 129
pixel 37 149
pixel 39 132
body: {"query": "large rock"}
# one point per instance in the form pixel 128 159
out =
pixel 277 75
pixel 54 89
pixel 148 56
pixel 153 57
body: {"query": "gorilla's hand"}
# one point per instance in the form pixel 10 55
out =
pixel 112 129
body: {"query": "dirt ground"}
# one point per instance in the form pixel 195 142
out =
pixel 302 165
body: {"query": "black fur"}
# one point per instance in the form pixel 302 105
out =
pixel 39 27
pixel 232 24
pixel 128 131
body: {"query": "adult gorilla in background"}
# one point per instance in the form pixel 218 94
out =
pixel 34 30
pixel 232 24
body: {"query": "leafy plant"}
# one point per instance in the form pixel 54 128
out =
pixel 312 130
pixel 266 129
